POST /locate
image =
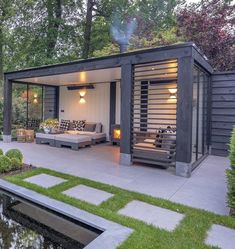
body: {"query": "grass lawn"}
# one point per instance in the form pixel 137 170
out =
pixel 190 234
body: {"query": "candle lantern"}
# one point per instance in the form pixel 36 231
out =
pixel 29 136
pixel 20 133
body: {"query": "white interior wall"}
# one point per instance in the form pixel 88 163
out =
pixel 96 108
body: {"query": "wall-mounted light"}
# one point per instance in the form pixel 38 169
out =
pixel 173 93
pixel 82 94
pixel 35 98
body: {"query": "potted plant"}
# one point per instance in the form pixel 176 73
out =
pixel 50 125
pixel 231 175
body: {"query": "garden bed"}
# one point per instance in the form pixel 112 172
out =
pixel 24 168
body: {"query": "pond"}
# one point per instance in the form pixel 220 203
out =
pixel 25 225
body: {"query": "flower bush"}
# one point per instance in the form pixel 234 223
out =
pixel 231 174
pixel 5 164
pixel 50 124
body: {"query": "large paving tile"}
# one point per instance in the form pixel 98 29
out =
pixel 152 215
pixel 88 194
pixel 44 180
pixel 222 237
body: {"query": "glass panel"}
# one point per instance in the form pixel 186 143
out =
pixel 194 118
pixel 34 106
pixel 19 106
pixel 200 117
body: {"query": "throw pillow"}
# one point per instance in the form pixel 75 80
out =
pixel 78 125
pixel 89 127
pixel 64 125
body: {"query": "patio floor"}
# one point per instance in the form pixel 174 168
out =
pixel 206 188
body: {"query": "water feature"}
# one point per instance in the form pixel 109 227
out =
pixel 25 225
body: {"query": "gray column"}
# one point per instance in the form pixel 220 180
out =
pixel 126 112
pixel 184 117
pixel 7 111
pixel 112 109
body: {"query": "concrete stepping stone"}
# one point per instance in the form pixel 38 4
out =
pixel 152 215
pixel 45 180
pixel 221 236
pixel 88 194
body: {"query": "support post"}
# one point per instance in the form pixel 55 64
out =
pixel 7 111
pixel 112 110
pixel 57 102
pixel 184 117
pixel 126 112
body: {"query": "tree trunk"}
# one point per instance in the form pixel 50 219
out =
pixel 87 29
pixel 54 12
pixel 1 60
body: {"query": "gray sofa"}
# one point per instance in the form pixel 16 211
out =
pixel 91 134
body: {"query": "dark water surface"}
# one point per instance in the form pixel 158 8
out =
pixel 26 226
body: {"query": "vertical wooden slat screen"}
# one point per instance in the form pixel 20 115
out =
pixel 222 112
pixel 49 101
pixel 154 113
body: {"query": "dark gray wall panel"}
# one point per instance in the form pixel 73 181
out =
pixel 223 111
pixel 50 103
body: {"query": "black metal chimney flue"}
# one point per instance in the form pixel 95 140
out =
pixel 123 47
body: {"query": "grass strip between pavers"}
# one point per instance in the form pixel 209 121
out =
pixel 189 234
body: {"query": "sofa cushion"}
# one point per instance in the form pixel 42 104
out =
pixel 98 128
pixel 90 127
pixel 64 124
pixel 44 135
pixel 72 138
pixel 169 140
pixel 78 125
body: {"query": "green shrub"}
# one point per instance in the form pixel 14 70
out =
pixel 5 164
pixel 16 163
pixel 1 152
pixel 15 153
pixel 231 172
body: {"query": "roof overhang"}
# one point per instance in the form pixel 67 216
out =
pixel 102 69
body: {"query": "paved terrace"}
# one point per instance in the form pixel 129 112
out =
pixel 206 188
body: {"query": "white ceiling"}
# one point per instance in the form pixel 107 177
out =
pixel 94 76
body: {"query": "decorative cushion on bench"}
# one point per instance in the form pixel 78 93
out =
pixel 64 124
pixel 90 127
pixel 78 125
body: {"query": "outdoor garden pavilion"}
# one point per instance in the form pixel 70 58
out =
pixel 146 91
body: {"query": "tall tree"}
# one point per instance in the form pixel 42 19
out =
pixel 211 25
pixel 54 17
pixel 87 28
pixel 6 11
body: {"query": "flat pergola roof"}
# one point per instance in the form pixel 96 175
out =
pixel 84 77
pixel 103 69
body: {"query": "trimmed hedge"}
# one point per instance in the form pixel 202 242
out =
pixel 5 164
pixel 231 172
pixel 12 160
pixel 15 153
pixel 16 163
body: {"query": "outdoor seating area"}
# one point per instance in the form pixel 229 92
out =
pixel 75 135
pixel 154 104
